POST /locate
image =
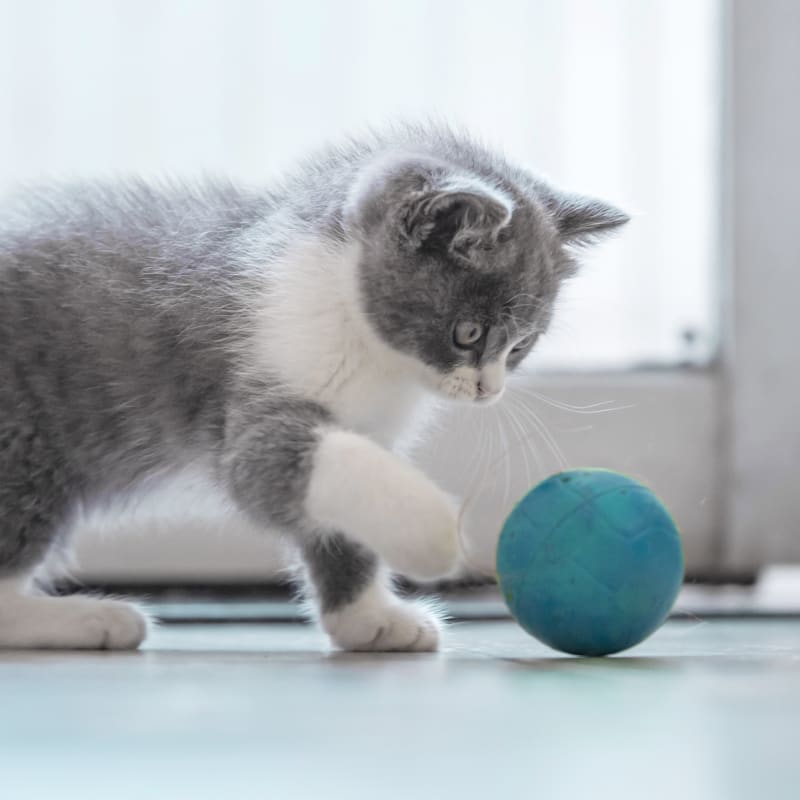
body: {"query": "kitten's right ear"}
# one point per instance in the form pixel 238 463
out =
pixel 581 220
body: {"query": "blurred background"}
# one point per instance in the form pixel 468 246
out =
pixel 672 357
pixel 594 95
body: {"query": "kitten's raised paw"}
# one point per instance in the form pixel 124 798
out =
pixel 398 626
pixel 421 539
pixel 385 503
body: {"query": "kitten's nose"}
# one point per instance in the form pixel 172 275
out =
pixel 485 393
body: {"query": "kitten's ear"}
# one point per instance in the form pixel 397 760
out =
pixel 455 216
pixel 426 203
pixel 582 220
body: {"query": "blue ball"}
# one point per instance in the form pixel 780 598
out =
pixel 590 562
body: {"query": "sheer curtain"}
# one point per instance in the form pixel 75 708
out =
pixel 613 97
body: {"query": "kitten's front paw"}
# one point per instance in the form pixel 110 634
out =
pixel 421 538
pixel 395 626
pixel 385 503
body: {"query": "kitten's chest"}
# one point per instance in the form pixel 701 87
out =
pixel 310 334
pixel 380 406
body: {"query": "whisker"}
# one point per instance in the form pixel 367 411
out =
pixel 507 463
pixel 482 451
pixel 477 487
pixel 474 493
pixel 473 487
pixel 601 407
pixel 578 429
pixel 537 301
pixel 515 401
pixel 548 437
pixel 519 430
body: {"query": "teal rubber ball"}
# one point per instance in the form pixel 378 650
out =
pixel 590 562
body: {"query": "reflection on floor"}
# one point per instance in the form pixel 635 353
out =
pixel 704 709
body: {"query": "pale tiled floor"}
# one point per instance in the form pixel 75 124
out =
pixel 702 710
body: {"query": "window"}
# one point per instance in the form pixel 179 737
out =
pixel 616 98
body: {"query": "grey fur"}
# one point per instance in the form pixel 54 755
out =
pixel 266 453
pixel 123 308
pixel 339 570
pixel 439 237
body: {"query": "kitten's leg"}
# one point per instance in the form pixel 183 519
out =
pixel 29 621
pixel 289 466
pixel 355 604
pixel 33 496
pixel 384 502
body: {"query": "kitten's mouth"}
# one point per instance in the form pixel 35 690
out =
pixel 488 398
pixel 463 385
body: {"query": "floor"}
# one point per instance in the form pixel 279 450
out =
pixel 704 709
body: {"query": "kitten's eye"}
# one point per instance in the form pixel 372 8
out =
pixel 467 334
pixel 523 343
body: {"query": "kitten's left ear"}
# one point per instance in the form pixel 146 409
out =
pixel 457 215
pixel 582 220
pixel 427 203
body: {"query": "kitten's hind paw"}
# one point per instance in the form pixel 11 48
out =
pixel 70 623
pixel 120 626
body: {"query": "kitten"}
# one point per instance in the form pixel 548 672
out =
pixel 286 340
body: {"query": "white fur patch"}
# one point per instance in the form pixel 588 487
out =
pixel 492 380
pixel 461 384
pixel 66 623
pixel 468 384
pixel 379 621
pixel 384 502
pixel 310 332
pixel 470 183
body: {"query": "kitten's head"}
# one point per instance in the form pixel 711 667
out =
pixel 460 270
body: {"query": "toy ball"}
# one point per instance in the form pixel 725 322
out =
pixel 590 562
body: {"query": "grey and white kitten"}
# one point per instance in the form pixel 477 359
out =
pixel 287 340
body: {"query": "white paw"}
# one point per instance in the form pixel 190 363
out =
pixel 383 624
pixel 70 623
pixel 111 625
pixel 420 539
pixel 384 502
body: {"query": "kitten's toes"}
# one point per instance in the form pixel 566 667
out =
pixel 70 623
pixel 98 624
pixel 121 626
pixel 399 626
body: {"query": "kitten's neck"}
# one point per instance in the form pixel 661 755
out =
pixel 311 335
